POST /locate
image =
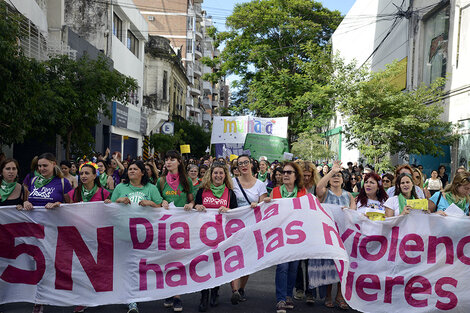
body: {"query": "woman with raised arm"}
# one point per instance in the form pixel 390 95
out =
pixel 330 190
pixel 215 193
pixel 249 191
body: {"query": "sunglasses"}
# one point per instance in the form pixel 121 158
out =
pixel 337 175
pixel 218 163
pixel 288 172
pixel 386 180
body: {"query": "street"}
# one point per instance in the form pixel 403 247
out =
pixel 260 293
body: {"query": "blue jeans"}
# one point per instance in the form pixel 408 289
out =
pixel 286 274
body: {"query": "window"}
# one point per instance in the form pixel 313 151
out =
pixel 436 35
pixel 132 43
pixel 117 27
pixel 165 85
pixel 189 46
pixel 190 23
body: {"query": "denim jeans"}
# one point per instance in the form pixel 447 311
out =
pixel 285 279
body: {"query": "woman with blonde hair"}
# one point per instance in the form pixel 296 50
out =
pixel 215 193
pixel 458 193
pixel 418 180
pixel 311 176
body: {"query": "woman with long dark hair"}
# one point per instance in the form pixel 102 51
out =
pixel 89 187
pixel 372 195
pixel 106 181
pixel 404 190
pixel 175 186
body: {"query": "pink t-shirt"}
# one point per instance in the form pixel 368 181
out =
pixel 96 196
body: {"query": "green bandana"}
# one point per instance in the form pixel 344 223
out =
pixel 287 194
pixel 218 191
pixel 41 181
pixel 103 180
pixel 263 177
pixel 462 203
pixel 6 189
pixel 152 180
pixel 88 194
pixel 402 201
pixel 36 173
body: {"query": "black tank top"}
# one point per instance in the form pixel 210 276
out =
pixel 16 201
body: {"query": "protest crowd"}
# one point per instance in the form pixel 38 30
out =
pixel 220 184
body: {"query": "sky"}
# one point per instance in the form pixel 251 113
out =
pixel 220 9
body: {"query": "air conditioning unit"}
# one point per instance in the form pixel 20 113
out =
pixel 151 18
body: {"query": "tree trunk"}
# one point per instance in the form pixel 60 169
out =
pixel 67 147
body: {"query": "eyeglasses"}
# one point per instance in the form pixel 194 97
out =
pixel 288 172
pixel 244 163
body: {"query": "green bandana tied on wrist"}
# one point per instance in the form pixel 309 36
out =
pixel 263 177
pixel 402 201
pixel 287 194
pixel 41 181
pixel 6 189
pixel 462 203
pixel 218 191
pixel 88 194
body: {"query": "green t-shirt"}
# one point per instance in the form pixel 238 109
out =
pixel 178 196
pixel 147 192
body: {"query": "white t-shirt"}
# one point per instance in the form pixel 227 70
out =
pixel 371 206
pixel 252 193
pixel 419 192
pixel 392 203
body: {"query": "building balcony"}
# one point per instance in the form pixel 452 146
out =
pixel 198 53
pixel 206 102
pixel 198 33
pixel 189 101
pixel 198 10
pixel 206 69
pixel 206 117
pixel 197 70
pixel 207 86
pixel 215 104
pixel 215 91
pixel 195 91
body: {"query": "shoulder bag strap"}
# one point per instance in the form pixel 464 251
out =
pixel 243 190
pixel 438 199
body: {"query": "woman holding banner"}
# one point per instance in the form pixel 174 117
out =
pixel 286 273
pixel 137 189
pixel 372 196
pixel 249 191
pixel 323 272
pixel 458 193
pixel 216 192
pixel 89 187
pixel 175 187
pixel 11 192
pixel 404 190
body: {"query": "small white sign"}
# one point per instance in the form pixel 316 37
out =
pixel 168 128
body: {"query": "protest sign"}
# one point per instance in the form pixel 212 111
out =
pixel 272 147
pixel 413 263
pixel 96 254
pixel 233 129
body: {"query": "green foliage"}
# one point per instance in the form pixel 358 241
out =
pixel 23 82
pixel 162 143
pixel 279 49
pixel 185 133
pixel 78 91
pixel 383 120
pixel 311 146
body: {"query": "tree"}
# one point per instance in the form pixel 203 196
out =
pixel 383 120
pixel 162 143
pixel 311 146
pixel 78 91
pixel 279 49
pixel 23 84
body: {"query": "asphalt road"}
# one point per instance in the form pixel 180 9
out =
pixel 260 294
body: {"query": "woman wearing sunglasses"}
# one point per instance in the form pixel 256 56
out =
pixel 249 191
pixel 286 273
pixel 330 190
